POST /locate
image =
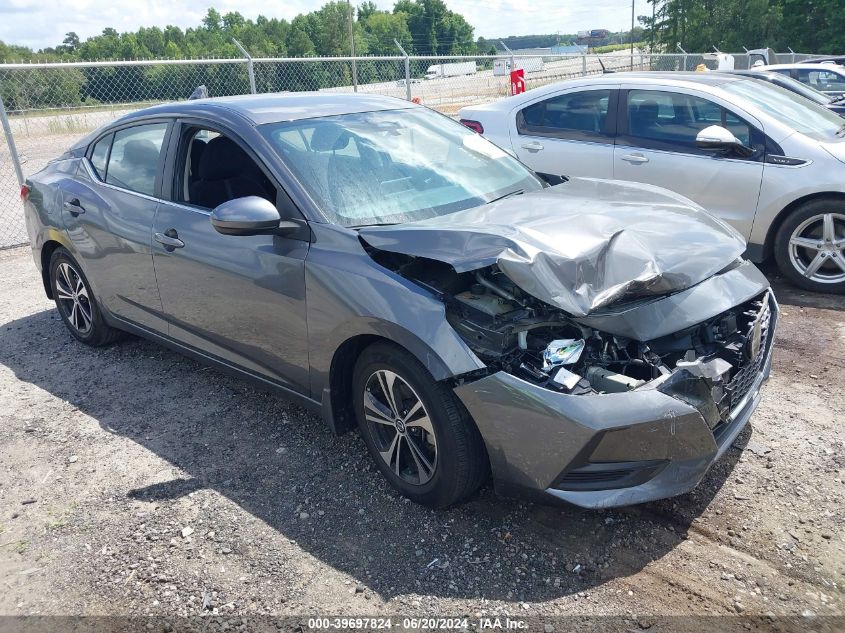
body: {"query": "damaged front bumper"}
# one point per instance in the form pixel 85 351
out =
pixel 608 450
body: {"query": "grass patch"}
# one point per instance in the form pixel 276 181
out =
pixel 68 125
pixel 612 48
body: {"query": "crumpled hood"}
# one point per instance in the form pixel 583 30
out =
pixel 579 246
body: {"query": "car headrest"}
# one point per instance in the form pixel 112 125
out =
pixel 329 137
pixel 197 150
pixel 648 112
pixel 222 159
pixel 141 153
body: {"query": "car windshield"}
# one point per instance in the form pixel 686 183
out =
pixel 790 109
pixel 802 89
pixel 395 166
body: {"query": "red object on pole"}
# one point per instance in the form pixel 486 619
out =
pixel 517 81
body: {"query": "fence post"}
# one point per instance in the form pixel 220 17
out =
pixel 10 141
pixel 584 63
pixel 249 65
pixel 685 54
pixel 407 70
pixel 793 55
pixel 510 52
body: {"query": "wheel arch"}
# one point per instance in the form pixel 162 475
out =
pixel 47 249
pixel 337 395
pixel 336 400
pixel 780 218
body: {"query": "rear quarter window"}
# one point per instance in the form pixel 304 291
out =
pixel 100 155
pixel 134 157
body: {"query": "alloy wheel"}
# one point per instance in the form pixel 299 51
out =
pixel 817 248
pixel 73 298
pixel 400 426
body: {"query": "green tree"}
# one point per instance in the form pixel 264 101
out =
pixel 212 20
pixel 383 28
pixel 435 29
pixel 71 42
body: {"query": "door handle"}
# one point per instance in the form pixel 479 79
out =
pixel 73 207
pixel 170 240
pixel 634 159
pixel 532 146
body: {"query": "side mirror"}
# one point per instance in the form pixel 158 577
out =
pixel 251 215
pixel 721 139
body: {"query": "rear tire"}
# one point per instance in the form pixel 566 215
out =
pixel 810 246
pixel 421 437
pixel 76 302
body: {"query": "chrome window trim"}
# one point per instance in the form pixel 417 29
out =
pixel 704 156
pixel 93 175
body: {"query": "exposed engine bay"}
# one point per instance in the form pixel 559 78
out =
pixel 514 332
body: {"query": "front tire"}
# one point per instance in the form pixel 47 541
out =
pixel 76 302
pixel 420 436
pixel 810 246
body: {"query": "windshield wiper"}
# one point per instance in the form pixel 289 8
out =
pixel 841 131
pixel 363 226
pixel 507 195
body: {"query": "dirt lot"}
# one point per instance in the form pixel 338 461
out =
pixel 134 481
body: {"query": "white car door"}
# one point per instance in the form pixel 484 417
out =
pixel 569 133
pixel 655 144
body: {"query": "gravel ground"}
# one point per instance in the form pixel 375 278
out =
pixel 134 481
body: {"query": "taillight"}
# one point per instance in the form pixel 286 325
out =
pixel 475 126
pixel 25 192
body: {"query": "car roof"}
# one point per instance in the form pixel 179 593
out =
pixel 667 78
pixel 275 107
pixel 710 78
pixel 816 66
pixel 837 59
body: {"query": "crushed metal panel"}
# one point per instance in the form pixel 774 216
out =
pixel 579 246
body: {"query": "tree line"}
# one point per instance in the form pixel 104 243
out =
pixel 807 26
pixel 422 27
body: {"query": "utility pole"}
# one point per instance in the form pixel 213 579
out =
pixel 632 34
pixel 352 44
pixel 653 22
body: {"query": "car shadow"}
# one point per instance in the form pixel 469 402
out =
pixel 789 294
pixel 279 463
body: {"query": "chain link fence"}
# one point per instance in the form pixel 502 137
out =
pixel 50 106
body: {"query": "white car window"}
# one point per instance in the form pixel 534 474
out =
pixel 579 115
pixel 824 80
pixel 672 120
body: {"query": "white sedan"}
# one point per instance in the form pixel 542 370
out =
pixel 765 160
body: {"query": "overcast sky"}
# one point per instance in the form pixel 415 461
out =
pixel 40 23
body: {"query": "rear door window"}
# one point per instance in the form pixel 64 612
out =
pixel 134 160
pixel 581 115
pixel 824 80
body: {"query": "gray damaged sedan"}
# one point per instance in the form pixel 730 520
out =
pixel 597 342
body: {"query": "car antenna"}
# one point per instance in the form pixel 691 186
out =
pixel 604 71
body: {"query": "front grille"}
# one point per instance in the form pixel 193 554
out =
pixel 744 379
